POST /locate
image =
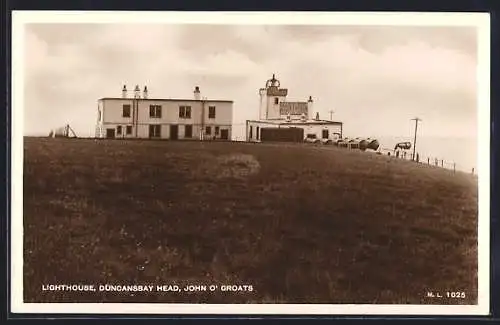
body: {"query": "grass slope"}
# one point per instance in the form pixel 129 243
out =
pixel 300 223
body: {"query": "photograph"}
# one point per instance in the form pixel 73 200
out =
pixel 250 162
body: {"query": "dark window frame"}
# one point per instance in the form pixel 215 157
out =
pixel 217 130
pixel 208 130
pixel 128 129
pixel 126 110
pixel 185 112
pixel 118 129
pixel 155 111
pixel 156 130
pixel 211 111
pixel 276 100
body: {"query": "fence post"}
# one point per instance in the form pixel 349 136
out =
pixel 428 161
pixel 442 163
pixel 454 165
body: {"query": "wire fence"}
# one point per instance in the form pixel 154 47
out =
pixel 431 161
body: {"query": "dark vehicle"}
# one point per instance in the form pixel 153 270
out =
pixel 369 144
pixel 311 138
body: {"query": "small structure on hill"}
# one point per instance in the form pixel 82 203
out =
pixel 402 146
pixel 63 132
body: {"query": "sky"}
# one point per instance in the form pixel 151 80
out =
pixel 375 79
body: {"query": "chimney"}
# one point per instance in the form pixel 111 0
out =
pixel 124 91
pixel 145 92
pixel 317 116
pixel 137 92
pixel 197 94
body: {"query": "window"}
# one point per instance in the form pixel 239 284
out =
pixel 211 111
pixel 155 131
pixel 126 110
pixel 119 129
pixel 185 112
pixel 208 130
pixel 217 130
pixel 155 111
pixel 325 134
pixel 251 132
pixel 129 129
pixel 188 131
pixel 276 100
pixel 257 133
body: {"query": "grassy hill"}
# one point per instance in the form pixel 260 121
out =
pixel 299 223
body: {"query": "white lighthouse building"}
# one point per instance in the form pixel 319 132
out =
pixel 277 116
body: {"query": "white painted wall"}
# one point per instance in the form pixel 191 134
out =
pixel 310 110
pixel 99 130
pixel 318 130
pixel 262 104
pixel 313 129
pixel 112 109
pixel 273 109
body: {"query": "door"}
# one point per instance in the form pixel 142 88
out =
pixel 110 133
pixel 155 131
pixel 174 132
pixel 188 131
pixel 224 134
pixel 325 134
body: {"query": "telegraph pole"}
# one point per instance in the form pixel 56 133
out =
pixel 331 115
pixel 416 119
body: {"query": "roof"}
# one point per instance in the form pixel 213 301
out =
pixel 297 122
pixel 171 99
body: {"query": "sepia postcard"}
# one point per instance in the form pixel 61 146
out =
pixel 250 163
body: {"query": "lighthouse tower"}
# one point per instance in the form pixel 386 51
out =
pixel 270 98
pixel 310 107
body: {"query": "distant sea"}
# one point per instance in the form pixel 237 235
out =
pixel 459 150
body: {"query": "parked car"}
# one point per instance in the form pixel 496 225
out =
pixel 326 141
pixel 311 138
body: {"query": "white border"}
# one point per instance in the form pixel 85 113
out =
pixel 480 20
